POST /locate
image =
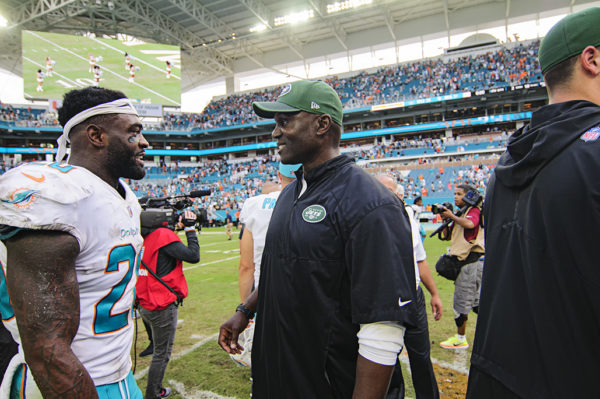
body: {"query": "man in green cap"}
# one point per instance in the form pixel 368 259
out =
pixel 337 283
pixel 539 318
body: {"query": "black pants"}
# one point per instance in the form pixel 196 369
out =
pixel 482 386
pixel 148 328
pixel 418 347
pixel 7 351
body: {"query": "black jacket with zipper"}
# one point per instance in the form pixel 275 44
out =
pixel 338 256
pixel 539 320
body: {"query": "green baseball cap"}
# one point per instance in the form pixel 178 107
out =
pixel 314 97
pixel 569 37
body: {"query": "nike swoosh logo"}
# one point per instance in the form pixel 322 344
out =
pixel 403 303
pixel 37 179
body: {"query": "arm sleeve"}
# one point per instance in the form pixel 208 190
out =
pixel 420 254
pixel 381 342
pixel 419 250
pixel 245 211
pixel 178 250
pixel 379 255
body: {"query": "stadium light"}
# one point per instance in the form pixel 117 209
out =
pixel 258 28
pixel 345 5
pixel 3 22
pixel 294 17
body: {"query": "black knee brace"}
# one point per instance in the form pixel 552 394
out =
pixel 460 320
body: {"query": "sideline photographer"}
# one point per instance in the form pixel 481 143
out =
pixel 161 288
pixel 463 262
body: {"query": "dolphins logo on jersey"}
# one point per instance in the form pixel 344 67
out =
pixel 21 197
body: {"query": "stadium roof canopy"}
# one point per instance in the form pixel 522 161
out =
pixel 216 38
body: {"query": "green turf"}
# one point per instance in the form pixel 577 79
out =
pixel 212 299
pixel 72 67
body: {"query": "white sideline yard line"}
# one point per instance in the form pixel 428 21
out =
pixel 452 366
pixel 103 68
pixel 135 58
pixel 210 233
pixel 219 243
pixel 180 388
pixel 210 263
pixel 142 373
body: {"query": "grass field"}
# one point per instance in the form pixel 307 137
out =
pixel 71 54
pixel 200 369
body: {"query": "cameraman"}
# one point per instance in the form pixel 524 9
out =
pixel 466 249
pixel 164 254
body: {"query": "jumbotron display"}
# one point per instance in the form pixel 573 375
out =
pixel 55 63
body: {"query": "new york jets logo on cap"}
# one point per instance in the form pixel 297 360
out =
pixel 314 213
pixel 285 90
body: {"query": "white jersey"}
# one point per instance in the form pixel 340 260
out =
pixel 256 215
pixel 55 196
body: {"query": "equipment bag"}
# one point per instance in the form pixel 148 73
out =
pixel 448 266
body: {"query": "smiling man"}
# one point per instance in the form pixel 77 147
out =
pixel 69 275
pixel 337 281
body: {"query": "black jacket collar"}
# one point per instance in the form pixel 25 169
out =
pixel 324 169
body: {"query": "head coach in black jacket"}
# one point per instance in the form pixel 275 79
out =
pixel 539 318
pixel 337 284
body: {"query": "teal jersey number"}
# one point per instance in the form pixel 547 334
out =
pixel 104 321
pixel 63 167
pixel 5 307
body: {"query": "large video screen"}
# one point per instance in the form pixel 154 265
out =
pixel 55 63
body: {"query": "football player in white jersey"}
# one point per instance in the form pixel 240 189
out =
pixel 73 242
pixel 255 216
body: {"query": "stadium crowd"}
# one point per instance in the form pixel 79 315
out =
pixel 29 117
pixel 501 67
pixel 232 183
pixel 430 145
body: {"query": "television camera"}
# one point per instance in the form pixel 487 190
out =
pixel 471 198
pixel 163 211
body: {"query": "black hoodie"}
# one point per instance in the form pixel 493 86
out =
pixel 538 329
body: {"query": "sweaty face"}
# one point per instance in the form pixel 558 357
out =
pixel 295 135
pixel 125 150
pixel 458 196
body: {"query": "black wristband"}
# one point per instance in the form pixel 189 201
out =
pixel 245 311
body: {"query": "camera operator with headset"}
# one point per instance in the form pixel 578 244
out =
pixel 161 288
pixel 463 262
